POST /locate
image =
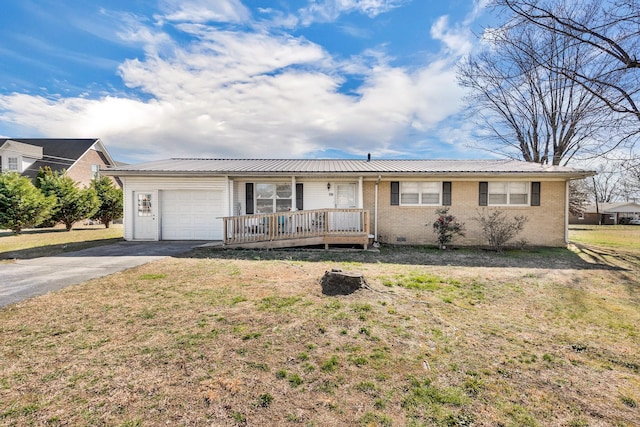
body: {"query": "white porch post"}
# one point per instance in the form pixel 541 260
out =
pixel 294 206
pixel 230 210
pixel 360 194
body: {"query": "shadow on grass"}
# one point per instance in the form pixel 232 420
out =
pixel 578 257
pixel 57 249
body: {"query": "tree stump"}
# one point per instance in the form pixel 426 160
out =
pixel 338 282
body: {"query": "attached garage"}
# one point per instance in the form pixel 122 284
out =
pixel 191 214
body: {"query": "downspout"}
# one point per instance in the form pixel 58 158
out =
pixel 566 213
pixel 375 214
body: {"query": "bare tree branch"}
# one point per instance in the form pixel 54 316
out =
pixel 611 29
pixel 532 111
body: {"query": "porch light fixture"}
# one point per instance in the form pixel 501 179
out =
pixel 328 186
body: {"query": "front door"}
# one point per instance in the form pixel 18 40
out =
pixel 145 225
pixel 345 199
pixel 346 196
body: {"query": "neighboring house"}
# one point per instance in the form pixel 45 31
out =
pixel 607 213
pixel 270 203
pixel 81 158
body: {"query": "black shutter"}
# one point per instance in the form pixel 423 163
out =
pixel 535 194
pixel 395 193
pixel 446 193
pixel 484 194
pixel 249 198
pixel 299 199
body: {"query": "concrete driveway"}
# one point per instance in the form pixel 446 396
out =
pixel 32 277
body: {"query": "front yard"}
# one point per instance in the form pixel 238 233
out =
pixel 51 241
pixel 456 338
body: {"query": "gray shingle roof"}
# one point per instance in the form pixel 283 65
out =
pixel 238 167
pixel 58 153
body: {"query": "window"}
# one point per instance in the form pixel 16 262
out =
pixel 508 193
pixel 144 204
pixel 272 198
pixel 95 171
pixel 420 193
pixel 12 163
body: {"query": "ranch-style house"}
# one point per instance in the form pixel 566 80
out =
pixel 300 202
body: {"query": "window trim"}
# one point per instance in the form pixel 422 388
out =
pixel 9 160
pixel 440 194
pixel 274 197
pixel 485 193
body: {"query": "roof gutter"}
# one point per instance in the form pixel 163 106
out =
pixel 376 175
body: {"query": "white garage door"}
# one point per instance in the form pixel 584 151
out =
pixel 191 215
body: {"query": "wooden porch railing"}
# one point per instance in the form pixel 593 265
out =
pixel 295 225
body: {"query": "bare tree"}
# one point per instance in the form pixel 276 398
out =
pixel 579 196
pixel 606 185
pixel 630 170
pixel 609 29
pixel 533 111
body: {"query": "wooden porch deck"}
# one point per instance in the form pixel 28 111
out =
pixel 301 228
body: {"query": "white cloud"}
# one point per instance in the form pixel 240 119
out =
pixel 252 94
pixel 205 10
pixel 458 40
pixel 330 10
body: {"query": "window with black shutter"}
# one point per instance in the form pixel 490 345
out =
pixel 446 193
pixel 395 193
pixel 535 194
pixel 249 198
pixel 484 193
pixel 299 198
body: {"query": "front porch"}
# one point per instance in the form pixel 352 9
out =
pixel 300 228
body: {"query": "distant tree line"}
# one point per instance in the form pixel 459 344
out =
pixel 55 198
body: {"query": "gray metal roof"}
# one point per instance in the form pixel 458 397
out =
pixel 613 207
pixel 240 167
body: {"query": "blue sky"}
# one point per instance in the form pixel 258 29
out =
pixel 231 78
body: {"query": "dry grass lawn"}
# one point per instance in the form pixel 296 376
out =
pixel 40 242
pixel 456 338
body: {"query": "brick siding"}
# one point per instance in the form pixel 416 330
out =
pixel 412 225
pixel 81 169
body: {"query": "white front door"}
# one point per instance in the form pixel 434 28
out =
pixel 346 196
pixel 345 199
pixel 145 226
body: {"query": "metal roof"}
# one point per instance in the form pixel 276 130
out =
pixel 603 208
pixel 237 167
